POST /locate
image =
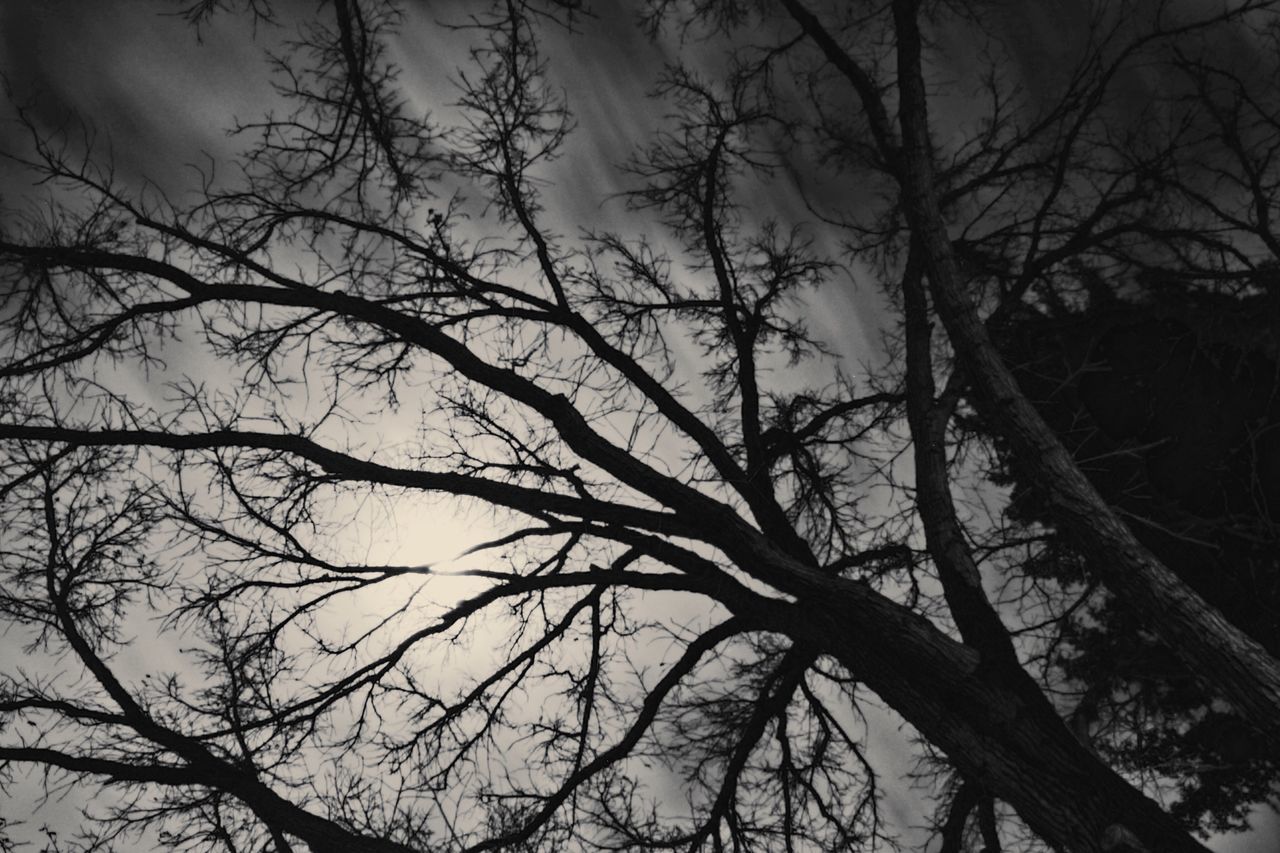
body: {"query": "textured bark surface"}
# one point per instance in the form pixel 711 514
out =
pixel 1002 734
pixel 994 724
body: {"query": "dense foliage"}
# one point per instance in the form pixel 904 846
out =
pixel 1169 399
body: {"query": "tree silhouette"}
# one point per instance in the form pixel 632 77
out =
pixel 720 547
pixel 1169 405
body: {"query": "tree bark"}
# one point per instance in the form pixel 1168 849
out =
pixel 996 726
pixel 1003 737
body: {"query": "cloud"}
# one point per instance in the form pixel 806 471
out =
pixel 131 80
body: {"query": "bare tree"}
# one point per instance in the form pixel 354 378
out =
pixel 642 420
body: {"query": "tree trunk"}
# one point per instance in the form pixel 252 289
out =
pixel 1000 733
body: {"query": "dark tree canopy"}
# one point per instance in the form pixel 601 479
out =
pixel 478 453
pixel 1169 399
